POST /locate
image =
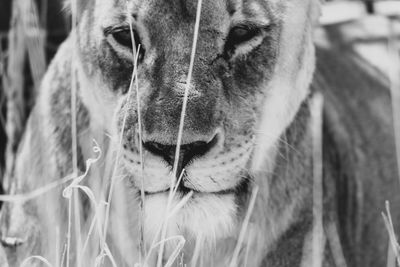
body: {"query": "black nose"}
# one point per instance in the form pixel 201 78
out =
pixel 187 152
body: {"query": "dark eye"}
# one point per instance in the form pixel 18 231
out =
pixel 239 35
pixel 123 38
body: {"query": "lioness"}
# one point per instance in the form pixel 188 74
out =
pixel 247 125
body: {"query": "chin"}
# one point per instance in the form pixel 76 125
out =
pixel 206 216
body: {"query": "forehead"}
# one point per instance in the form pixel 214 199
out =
pixel 213 11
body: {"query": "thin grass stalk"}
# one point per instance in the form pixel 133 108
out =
pixel 181 125
pixel 168 215
pixel 57 245
pixel 91 229
pixel 391 259
pixel 47 188
pixel 66 193
pixel 187 87
pixel 172 213
pixel 175 253
pixel 179 180
pixel 248 246
pixel 72 191
pixel 243 230
pixel 197 250
pixel 74 143
pixel 38 258
pixel 142 245
pixel 3 85
pixel 77 223
pixel 14 89
pixel 318 240
pixel 142 195
pixel 74 139
pixel 69 226
pixel 387 218
pixel 335 244
pixel 35 38
pixel 119 148
pixel 3 79
pixel 37 192
pixel 394 79
pixel 63 255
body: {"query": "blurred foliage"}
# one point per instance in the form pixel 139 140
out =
pixel 53 22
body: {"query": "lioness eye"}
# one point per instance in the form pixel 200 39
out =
pixel 239 35
pixel 123 38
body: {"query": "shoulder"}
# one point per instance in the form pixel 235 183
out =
pixel 359 151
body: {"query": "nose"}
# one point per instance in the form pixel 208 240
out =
pixel 187 152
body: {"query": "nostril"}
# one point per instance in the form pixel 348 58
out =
pixel 195 149
pixel 186 154
pixel 165 151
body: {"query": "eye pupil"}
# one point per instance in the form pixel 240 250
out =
pixel 238 35
pixel 124 38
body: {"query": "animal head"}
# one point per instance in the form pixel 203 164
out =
pixel 253 63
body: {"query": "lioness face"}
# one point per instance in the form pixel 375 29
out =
pixel 250 75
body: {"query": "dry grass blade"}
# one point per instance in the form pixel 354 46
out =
pixel 14 89
pixel 392 235
pixel 35 38
pixel 188 81
pixel 69 229
pixel 335 245
pixel 391 259
pixel 318 240
pixel 67 192
pixel 174 255
pixel 74 148
pixel 27 261
pixel 394 77
pixel 180 205
pixel 47 188
pixel 248 246
pixel 177 183
pixel 57 246
pixel 243 231
pixel 197 250
pixel 119 148
pixel 36 193
pixel 172 213
pixel 181 125
pixel 142 195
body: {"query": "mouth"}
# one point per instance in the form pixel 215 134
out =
pixel 240 189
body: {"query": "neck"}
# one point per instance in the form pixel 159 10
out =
pixel 285 197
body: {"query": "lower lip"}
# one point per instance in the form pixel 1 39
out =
pixel 184 192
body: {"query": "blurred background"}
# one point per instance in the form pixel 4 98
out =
pixel 365 31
